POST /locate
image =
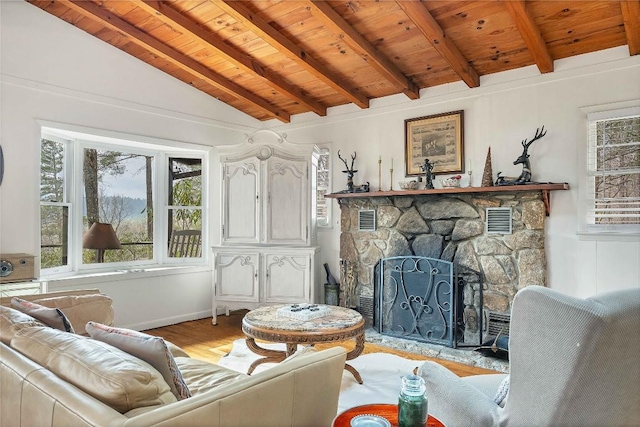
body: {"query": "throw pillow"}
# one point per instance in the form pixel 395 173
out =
pixel 53 317
pixel 149 348
pixel 503 392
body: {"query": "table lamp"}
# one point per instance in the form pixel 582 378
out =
pixel 101 237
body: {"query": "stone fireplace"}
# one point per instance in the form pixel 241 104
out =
pixel 450 226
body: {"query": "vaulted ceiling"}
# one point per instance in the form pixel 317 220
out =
pixel 275 59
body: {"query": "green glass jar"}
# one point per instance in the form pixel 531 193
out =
pixel 412 402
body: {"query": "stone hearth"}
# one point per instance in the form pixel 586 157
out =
pixel 449 227
pixel 464 356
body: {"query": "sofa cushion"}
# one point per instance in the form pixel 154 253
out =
pixel 110 375
pixel 175 350
pixel 149 348
pixel 53 317
pixel 81 309
pixel 203 376
pixel 12 320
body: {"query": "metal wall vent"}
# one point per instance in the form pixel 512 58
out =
pixel 498 221
pixel 498 324
pixel 366 220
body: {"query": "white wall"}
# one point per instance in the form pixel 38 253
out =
pixel 55 72
pixel 504 110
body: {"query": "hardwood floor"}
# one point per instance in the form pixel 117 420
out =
pixel 202 340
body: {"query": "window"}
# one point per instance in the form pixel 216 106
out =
pixel 613 171
pixel 323 187
pixel 185 207
pixel 110 202
pixel 117 190
pixel 55 209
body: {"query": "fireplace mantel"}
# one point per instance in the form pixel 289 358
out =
pixel 544 188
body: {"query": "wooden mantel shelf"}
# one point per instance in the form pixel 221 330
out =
pixel 545 188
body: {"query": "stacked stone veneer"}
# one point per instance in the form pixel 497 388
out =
pixel 449 227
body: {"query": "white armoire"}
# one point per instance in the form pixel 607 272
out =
pixel 267 253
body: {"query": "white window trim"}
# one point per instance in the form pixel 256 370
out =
pixel 589 231
pixel 82 137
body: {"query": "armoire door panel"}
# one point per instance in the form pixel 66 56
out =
pixel 287 205
pixel 237 277
pixel 287 277
pixel 242 197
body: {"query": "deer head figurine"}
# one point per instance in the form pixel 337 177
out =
pixel 523 160
pixel 350 171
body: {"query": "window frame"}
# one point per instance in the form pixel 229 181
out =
pixel 323 150
pixel 79 139
pixel 79 145
pixel 67 202
pixel 589 230
pixel 168 207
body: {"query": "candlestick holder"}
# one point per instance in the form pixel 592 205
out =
pixel 391 176
pixel 379 174
pixel 469 173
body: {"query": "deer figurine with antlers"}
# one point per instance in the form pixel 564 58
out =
pixel 350 172
pixel 525 176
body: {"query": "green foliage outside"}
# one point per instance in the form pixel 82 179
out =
pixel 188 192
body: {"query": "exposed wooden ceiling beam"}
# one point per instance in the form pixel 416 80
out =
pixel 173 18
pixel 265 31
pixel 421 17
pixel 334 22
pixel 530 34
pixel 110 20
pixel 631 18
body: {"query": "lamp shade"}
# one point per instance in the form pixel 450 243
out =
pixel 100 236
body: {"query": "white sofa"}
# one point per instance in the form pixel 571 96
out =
pixel 302 391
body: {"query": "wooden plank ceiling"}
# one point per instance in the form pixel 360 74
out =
pixel 275 59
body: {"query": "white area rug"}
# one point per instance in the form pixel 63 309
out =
pixel 380 373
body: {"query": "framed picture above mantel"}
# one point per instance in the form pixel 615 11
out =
pixel 439 138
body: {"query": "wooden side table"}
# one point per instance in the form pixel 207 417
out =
pixel 386 410
pixel 339 324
